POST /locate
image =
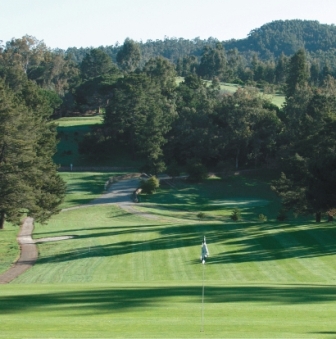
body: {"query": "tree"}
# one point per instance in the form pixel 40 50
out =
pixel 95 93
pixel 297 72
pixel 29 183
pixel 191 135
pixel 248 126
pixel 213 62
pixel 281 69
pixel 96 63
pixel 129 56
pixel 306 185
pixel 25 52
pixel 187 65
pixel 161 71
pixel 139 116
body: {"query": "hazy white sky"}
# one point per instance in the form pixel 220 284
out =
pixel 85 23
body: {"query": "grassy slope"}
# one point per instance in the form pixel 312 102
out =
pixel 127 276
pixel 83 187
pixel 276 99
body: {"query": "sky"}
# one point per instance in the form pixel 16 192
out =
pixel 93 23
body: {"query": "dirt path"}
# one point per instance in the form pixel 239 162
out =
pixel 28 254
pixel 119 193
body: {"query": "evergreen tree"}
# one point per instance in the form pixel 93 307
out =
pixel 29 182
pixel 129 56
pixel 213 62
pixel 140 116
pixel 308 155
pixel 96 63
pixel 297 72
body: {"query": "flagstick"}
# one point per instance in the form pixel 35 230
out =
pixel 202 317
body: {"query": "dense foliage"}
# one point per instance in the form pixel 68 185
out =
pixel 190 125
pixel 261 57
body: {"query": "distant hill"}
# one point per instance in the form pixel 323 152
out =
pixel 286 36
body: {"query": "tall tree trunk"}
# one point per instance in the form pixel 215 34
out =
pixel 2 220
pixel 318 216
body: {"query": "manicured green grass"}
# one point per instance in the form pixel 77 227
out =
pixel 217 198
pixel 78 121
pixel 230 88
pixel 276 99
pixel 126 276
pixel 83 187
pixel 147 310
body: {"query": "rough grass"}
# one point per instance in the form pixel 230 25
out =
pixel 9 249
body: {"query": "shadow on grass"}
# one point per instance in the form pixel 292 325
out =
pixel 244 242
pixel 251 196
pixel 118 299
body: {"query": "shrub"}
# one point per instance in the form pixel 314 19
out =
pixel 201 215
pixel 150 185
pixel 236 214
pixel 262 217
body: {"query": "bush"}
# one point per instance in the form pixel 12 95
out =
pixel 150 185
pixel 262 217
pixel 201 215
pixel 236 214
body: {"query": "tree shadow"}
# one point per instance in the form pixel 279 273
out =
pixel 122 299
pixel 276 242
pixel 244 242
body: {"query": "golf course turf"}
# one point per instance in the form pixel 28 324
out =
pixel 122 275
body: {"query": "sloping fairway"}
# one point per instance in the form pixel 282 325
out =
pixel 123 275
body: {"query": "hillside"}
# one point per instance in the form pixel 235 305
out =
pixel 269 40
pixel 287 37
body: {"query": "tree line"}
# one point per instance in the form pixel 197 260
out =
pixel 29 182
pixel 191 125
